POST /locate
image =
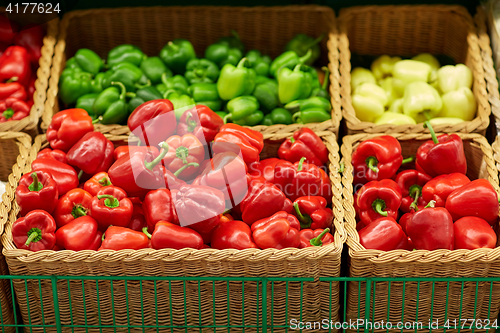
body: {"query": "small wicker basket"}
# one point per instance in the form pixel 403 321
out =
pixel 264 28
pixel 291 262
pixel 407 31
pixel 422 263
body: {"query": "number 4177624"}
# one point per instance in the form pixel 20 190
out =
pixel 32 8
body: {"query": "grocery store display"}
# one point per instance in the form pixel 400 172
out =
pixel 250 87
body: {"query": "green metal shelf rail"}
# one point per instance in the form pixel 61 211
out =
pixel 263 294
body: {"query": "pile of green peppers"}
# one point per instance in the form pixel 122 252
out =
pixel 246 88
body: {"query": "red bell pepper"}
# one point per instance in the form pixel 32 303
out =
pixel 126 150
pixel 473 233
pixel 200 121
pixel 411 182
pixel 111 207
pixel 431 228
pixel 158 206
pixel 477 198
pixel 56 154
pixel 318 237
pixel 403 220
pixel 120 238
pixel 441 155
pixel 383 234
pixel 138 172
pixel 264 168
pixel 298 179
pixel 312 212
pixel 93 153
pixel 13 109
pixel 305 143
pixel 68 127
pixel 72 205
pixel 15 63
pixel 239 139
pixel 153 122
pixel 376 159
pixel 96 183
pixel 80 234
pixel 8 30
pixel 13 90
pixel 31 38
pixel 378 199
pixel 439 188
pixel 181 152
pixel 31 88
pixel 63 174
pixel 36 190
pixel 171 236
pixel 227 173
pixel 35 231
pixel 276 232
pixel 137 222
pixel 233 235
pixel 262 200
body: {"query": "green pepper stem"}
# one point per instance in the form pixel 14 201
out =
pixel 227 117
pixel 153 163
pixel 379 205
pixel 104 181
pixel 431 204
pixel 34 235
pixel 164 78
pixel 295 116
pixel 182 153
pixel 292 140
pixel 122 89
pixel 306 57
pixel 168 92
pixel 8 113
pixel 110 201
pixel 78 211
pixel 95 121
pixel 316 41
pixel 36 185
pixel 433 134
pixel 80 174
pixel 305 220
pixel 130 94
pixel 12 79
pixel 327 77
pixel 184 167
pixel 301 162
pixel 191 124
pixel 317 241
pixel 341 167
pixel 372 163
pixel 415 193
pixel 242 62
pixel 145 231
pixel 173 46
pixel 408 160
pixel 140 86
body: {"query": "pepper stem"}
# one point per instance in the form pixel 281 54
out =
pixel 227 117
pixel 12 79
pixel 164 78
pixel 431 204
pixel 182 153
pixel 173 46
pixel 295 116
pixel 153 163
pixel 34 235
pixel 292 140
pixel 415 193
pixel 408 160
pixel 301 162
pixel 433 134
pixel 317 241
pixel 242 62
pixel 145 231
pixel 305 220
pixel 36 185
pixel 316 41
pixel 184 167
pixel 95 121
pixel 104 181
pixel 122 88
pixel 191 124
pixel 78 211
pixel 379 205
pixel 7 114
pixel 341 167
pixel 110 201
pixel 306 57
pixel 372 162
pixel 327 77
pixel 80 174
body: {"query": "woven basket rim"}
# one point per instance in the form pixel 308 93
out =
pixel 478 124
pixel 333 249
pixel 333 64
pixel 357 251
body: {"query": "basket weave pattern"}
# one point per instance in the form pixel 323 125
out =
pixel 309 262
pixel 408 31
pixel 264 28
pixel 422 263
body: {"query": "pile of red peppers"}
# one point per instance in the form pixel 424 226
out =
pixel 431 206
pixel 20 51
pixel 197 185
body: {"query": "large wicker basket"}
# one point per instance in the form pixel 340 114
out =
pixel 306 301
pixel 422 263
pixel 264 28
pixel 407 31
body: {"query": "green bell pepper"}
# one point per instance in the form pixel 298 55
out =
pixel 126 53
pixel 322 91
pixel 225 51
pixel 141 96
pixel 96 84
pixel 315 102
pixel 254 119
pixel 289 60
pixel 260 63
pixel 176 54
pixel 301 43
pixel 73 84
pixel 383 66
pixel 421 101
pixel 242 107
pixel 205 94
pixel 176 82
pixel 221 114
pixel 277 116
pixel 111 106
pixel 361 75
pixel 128 74
pixel 86 102
pixel 181 102
pixel 294 84
pixel 89 61
pixel 154 68
pixel 232 41
pixel 201 71
pixel 266 92
pixel 71 63
pixel 311 116
pixel 236 81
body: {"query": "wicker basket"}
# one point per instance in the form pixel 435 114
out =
pixel 407 31
pixel 309 262
pixel 30 124
pixel 263 28
pixel 422 263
